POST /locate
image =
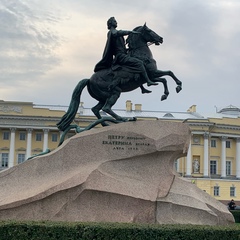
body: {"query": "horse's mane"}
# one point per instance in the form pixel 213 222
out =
pixel 131 39
pixel 137 28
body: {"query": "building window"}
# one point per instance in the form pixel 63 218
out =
pixel 4 160
pixel 22 136
pixel 213 167
pixel 6 135
pixel 213 143
pixel 38 137
pixel 54 137
pixel 228 144
pixel 216 191
pixel 21 157
pixel 232 191
pixel 228 168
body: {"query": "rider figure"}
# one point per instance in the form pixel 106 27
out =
pixel 115 47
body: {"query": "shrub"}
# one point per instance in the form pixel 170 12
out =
pixel 236 215
pixel 12 230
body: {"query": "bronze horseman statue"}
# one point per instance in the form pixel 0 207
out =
pixel 120 70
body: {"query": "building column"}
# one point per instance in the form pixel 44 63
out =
pixel 189 160
pixel 12 148
pixel 45 139
pixel 29 143
pixel 205 156
pixel 223 157
pixel 238 158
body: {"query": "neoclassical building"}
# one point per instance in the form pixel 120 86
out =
pixel 27 129
pixel 212 163
pixel 213 160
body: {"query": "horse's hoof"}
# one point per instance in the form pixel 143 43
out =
pixel 127 119
pixel 132 119
pixel 78 129
pixel 178 89
pixel 164 97
pixel 104 124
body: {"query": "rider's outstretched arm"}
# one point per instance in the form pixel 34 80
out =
pixel 123 32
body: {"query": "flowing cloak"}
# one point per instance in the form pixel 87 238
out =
pixel 107 58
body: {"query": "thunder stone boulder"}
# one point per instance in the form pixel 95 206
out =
pixel 121 173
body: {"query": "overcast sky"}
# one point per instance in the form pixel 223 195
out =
pixel 46 47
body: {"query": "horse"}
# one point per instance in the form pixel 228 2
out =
pixel 107 85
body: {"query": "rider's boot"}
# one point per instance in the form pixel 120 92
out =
pixel 144 90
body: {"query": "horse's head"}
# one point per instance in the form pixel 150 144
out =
pixel 150 36
pixel 146 35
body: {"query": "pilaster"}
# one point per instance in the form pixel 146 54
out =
pixel 12 147
pixel 29 143
pixel 223 157
pixel 45 139
pixel 205 156
pixel 237 157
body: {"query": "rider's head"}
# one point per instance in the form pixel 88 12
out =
pixel 111 22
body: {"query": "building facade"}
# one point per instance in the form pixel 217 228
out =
pixel 213 160
pixel 212 163
pixel 27 130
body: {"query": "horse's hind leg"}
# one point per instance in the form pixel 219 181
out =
pixel 96 110
pixel 110 102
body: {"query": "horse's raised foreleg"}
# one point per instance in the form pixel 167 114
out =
pixel 164 82
pixel 96 110
pixel 160 73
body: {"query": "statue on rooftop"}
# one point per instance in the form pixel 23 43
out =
pixel 120 70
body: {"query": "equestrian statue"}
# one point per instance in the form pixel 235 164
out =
pixel 121 69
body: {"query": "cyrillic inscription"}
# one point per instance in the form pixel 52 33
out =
pixel 121 142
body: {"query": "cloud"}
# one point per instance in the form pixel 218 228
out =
pixel 48 46
pixel 27 42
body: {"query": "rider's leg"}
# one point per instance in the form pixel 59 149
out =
pixel 138 64
pixel 146 78
pixel 144 74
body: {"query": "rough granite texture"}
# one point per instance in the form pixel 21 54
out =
pixel 121 173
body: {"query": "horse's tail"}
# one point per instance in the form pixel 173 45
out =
pixel 69 116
